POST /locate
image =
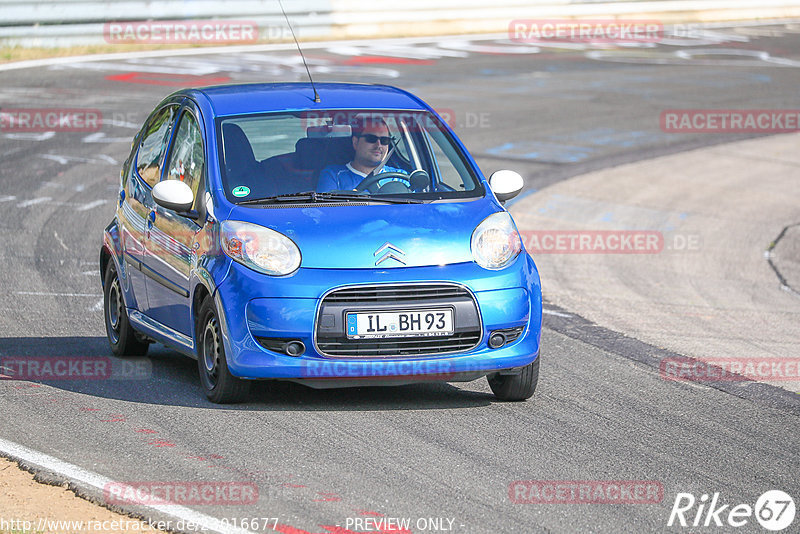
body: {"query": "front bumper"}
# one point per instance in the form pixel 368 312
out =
pixel 252 305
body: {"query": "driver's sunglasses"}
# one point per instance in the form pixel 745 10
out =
pixel 372 138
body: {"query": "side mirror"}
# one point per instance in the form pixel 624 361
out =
pixel 506 184
pixel 173 195
pixel 419 180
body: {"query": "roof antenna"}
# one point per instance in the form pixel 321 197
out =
pixel 316 95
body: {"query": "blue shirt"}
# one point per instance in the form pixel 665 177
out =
pixel 345 177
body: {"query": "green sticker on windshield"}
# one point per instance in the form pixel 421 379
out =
pixel 241 191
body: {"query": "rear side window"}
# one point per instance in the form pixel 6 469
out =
pixel 154 142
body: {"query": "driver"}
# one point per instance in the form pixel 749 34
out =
pixel 371 143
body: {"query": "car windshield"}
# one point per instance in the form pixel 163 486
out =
pixel 370 154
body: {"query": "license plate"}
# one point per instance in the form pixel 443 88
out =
pixel 412 323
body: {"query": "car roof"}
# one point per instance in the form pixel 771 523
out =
pixel 241 99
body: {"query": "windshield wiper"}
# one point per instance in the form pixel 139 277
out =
pixel 313 196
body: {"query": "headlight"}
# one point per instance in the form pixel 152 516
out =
pixel 495 242
pixel 259 248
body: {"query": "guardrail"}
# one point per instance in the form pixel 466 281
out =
pixel 53 23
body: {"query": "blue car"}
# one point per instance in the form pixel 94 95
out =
pixel 337 236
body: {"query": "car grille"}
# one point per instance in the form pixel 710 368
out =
pixel 397 293
pixel 332 341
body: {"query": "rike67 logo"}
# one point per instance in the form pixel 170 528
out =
pixel 774 510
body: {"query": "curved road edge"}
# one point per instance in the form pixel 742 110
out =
pixel 705 291
pixel 92 486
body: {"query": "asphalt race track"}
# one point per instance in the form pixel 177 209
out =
pixel 443 456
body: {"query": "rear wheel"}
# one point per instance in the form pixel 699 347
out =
pixel 516 387
pixel 121 336
pixel 219 384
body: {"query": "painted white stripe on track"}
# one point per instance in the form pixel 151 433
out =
pixel 47 62
pixel 46 294
pixel 545 311
pixel 99 482
pixel 91 205
pixel 33 201
pixel 60 241
pixel 307 45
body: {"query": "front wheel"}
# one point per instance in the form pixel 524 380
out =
pixel 516 387
pixel 220 386
pixel 121 336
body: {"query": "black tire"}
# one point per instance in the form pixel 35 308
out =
pixel 516 387
pixel 121 336
pixel 220 386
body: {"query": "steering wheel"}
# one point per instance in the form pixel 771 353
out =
pixel 370 181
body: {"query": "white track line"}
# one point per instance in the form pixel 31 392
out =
pixel 60 241
pixel 31 202
pixel 545 311
pixel 91 205
pixel 46 62
pixel 99 482
pixel 308 45
pixel 46 294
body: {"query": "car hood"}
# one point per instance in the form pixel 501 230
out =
pixel 358 237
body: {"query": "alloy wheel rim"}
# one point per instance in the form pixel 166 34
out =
pixel 114 309
pixel 211 350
